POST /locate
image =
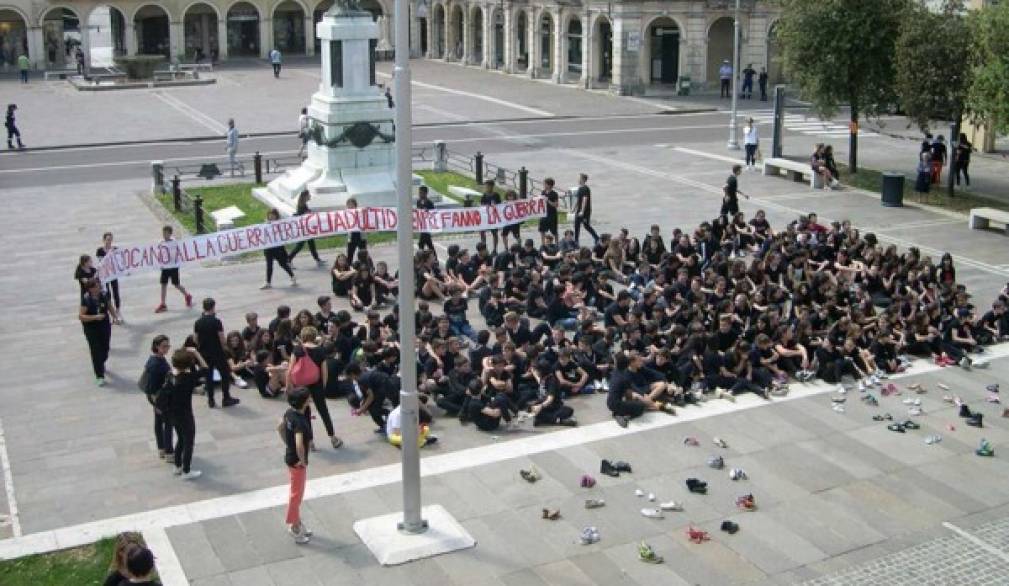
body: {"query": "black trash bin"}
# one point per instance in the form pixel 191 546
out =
pixel 893 189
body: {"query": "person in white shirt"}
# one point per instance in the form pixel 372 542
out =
pixel 232 145
pixel 751 141
pixel 303 120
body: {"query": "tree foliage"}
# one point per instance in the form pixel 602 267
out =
pixel 841 52
pixel 988 98
pixel 934 57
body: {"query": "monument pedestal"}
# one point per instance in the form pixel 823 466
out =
pixel 392 547
pixel 351 145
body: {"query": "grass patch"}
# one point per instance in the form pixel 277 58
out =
pixel 240 196
pixel 80 566
pixel 962 201
pixel 440 183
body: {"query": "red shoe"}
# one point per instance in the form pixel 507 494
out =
pixel 746 502
pixel 696 535
pixel 161 308
pixel 189 300
pixel 941 361
pixel 949 361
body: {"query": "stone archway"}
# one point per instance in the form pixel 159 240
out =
pixel 574 46
pixel 476 40
pixel 199 31
pixel 719 47
pixel 243 30
pixel 13 38
pixel 289 27
pixel 106 35
pixel 152 27
pixel 522 40
pixel 602 40
pixel 456 33
pixel 438 31
pixel 545 38
pixel 663 51
pixel 61 29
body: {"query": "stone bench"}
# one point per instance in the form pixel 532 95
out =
pixel 796 171
pixel 465 193
pixel 196 66
pixel 981 217
pixel 224 218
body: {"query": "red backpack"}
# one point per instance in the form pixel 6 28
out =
pixel 305 372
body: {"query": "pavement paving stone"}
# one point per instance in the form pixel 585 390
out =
pixel 625 556
pixel 195 552
pixel 257 576
pixel 565 573
pixel 824 524
pixel 231 544
pixel 293 572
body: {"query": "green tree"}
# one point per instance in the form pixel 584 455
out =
pixel 988 98
pixel 933 59
pixel 841 52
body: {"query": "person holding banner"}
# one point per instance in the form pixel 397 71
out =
pixel 96 315
pixel 279 254
pixel 111 288
pixel 425 203
pixel 171 275
pixel 548 224
pixel 301 210
pixel 514 229
pixel 490 197
pixel 355 240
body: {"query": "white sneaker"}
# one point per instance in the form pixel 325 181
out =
pixel 653 513
pixel 240 383
pixel 671 506
pixel 191 475
pixel 266 286
pixel 178 471
pixel 299 538
pixel 651 497
pixel 861 386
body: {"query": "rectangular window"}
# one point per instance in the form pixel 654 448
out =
pixel 336 63
pixel 372 45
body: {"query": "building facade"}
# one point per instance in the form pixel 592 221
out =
pixel 625 46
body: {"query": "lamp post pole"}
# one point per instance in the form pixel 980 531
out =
pixel 412 521
pixel 733 123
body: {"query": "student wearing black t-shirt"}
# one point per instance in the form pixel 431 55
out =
pixel 583 209
pixel 624 400
pixel 279 255
pixel 356 241
pixel 210 342
pixel 156 371
pixel 295 431
pixel 375 388
pixel 731 193
pixel 424 242
pixel 171 276
pixel 302 209
pixel 514 229
pixel 112 287
pixel 185 373
pixel 96 315
pixel 548 224
pixel 548 408
pixel 490 197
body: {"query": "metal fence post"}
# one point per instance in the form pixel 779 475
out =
pixel 177 193
pixel 158 175
pixel 440 156
pixel 478 166
pixel 257 165
pixel 198 212
pixel 523 183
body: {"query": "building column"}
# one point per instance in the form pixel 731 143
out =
pixel 222 38
pixel 176 43
pixel 628 49
pixel 533 32
pixel 588 35
pixel 430 34
pixel 695 46
pixel 414 32
pixel 467 36
pixel 37 48
pixel 310 34
pixel 204 32
pixel 130 35
pixel 489 38
pixel 265 36
pixel 558 62
pixel 508 38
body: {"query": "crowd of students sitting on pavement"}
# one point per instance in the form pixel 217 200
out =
pixel 731 306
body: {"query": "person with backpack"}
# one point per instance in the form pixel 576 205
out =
pixel 153 384
pixel 183 378
pixel 295 431
pixel 309 369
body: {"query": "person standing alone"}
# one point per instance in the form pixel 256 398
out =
pixel 23 66
pixel 730 201
pixel 751 141
pixel 748 74
pixel 295 431
pixel 210 342
pixel 96 315
pixel 231 146
pixel 277 61
pixel 963 150
pixel 12 128
pixel 762 82
pixel 583 208
pixel 725 76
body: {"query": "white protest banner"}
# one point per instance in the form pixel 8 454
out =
pixel 129 261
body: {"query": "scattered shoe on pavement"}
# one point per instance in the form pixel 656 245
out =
pixel 730 527
pixel 696 535
pixel 587 481
pixel 647 554
pixel 737 474
pixel 589 535
pixel 652 513
pixel 985 449
pixel 716 462
pixel 697 486
pixel 607 468
pixel 551 514
pixel 719 442
pixel 594 503
pixel 671 506
pixel 531 475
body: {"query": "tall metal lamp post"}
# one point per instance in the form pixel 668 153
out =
pixel 412 521
pixel 733 123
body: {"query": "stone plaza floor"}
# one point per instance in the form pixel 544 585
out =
pixel 841 499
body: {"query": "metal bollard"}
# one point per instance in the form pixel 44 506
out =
pixel 440 156
pixel 158 175
pixel 198 213
pixel 523 183
pixel 478 166
pixel 257 164
pixel 177 193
